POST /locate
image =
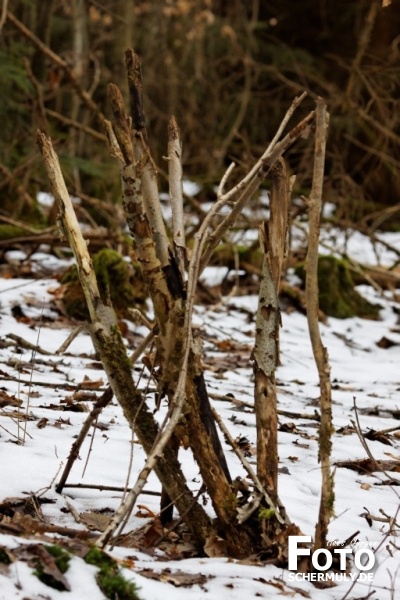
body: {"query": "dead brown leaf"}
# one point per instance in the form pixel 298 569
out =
pixel 29 505
pixel 215 546
pixel 144 512
pixel 91 384
pixel 82 396
pixel 178 578
pixel 95 521
pixel 367 465
pixel 378 436
pixel 288 428
pixel 386 343
pixel 7 400
pixel 21 416
pixel 38 557
pixel 152 533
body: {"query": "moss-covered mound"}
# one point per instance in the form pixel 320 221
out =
pixel 8 232
pixel 51 564
pixel 118 281
pixel 337 294
pixel 113 585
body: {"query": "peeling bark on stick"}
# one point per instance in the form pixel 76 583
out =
pixel 278 228
pixel 265 356
pixel 142 156
pixel 273 239
pixel 176 193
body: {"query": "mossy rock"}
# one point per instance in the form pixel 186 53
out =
pixel 9 232
pixel 118 280
pixel 50 577
pixel 337 294
pixel 109 577
pixel 225 255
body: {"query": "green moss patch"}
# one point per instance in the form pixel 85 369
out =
pixel 337 294
pixel 118 281
pixel 8 232
pixel 113 585
pixel 51 564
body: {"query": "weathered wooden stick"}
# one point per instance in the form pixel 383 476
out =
pixel 312 305
pixel 265 357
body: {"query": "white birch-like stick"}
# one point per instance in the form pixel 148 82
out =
pixel 70 225
pixel 176 192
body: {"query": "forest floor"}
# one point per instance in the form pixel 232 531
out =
pixel 45 397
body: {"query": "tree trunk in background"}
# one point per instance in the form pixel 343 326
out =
pixel 79 63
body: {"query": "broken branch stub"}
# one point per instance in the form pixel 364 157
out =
pixel 143 157
pixel 273 242
pixel 135 84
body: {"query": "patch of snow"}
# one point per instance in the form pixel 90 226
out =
pixel 360 370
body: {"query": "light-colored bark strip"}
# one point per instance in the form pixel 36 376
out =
pixel 265 357
pixel 278 224
pixel 70 227
pixel 273 236
pixel 176 192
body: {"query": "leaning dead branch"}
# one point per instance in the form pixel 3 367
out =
pixel 101 403
pixel 319 351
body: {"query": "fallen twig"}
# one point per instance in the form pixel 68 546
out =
pixel 282 413
pixel 28 345
pixel 107 488
pixel 357 427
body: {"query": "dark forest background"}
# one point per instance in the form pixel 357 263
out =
pixel 228 71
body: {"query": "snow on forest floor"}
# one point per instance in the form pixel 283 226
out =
pixel 54 388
